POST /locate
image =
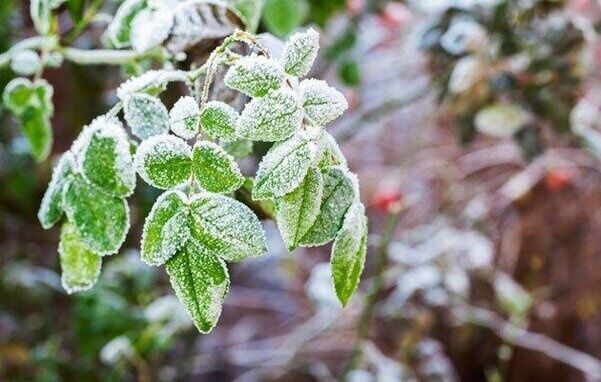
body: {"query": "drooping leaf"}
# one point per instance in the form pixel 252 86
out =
pixel 36 128
pixel 219 120
pixel 227 227
pixel 185 117
pixel 284 167
pixel 340 191
pixel 118 33
pixel 146 115
pixel 321 103
pixel 214 169
pixel 156 247
pixel 297 211
pixel 101 219
pixel 201 281
pixel 348 252
pixel 283 16
pixel 272 118
pixel 300 53
pixel 51 209
pixel 254 76
pixel 164 161
pixel 80 266
pixel 106 160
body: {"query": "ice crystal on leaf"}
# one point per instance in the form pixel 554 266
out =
pixel 40 11
pixel 26 62
pixel 80 266
pixel 185 117
pixel 272 118
pixel 146 115
pixel 348 252
pixel 219 119
pixel 164 161
pixel 254 76
pixel 300 52
pixel 150 28
pixel 152 82
pixel 214 169
pixel 51 209
pixel 321 103
pixel 239 148
pixel 297 211
pixel 118 33
pixel 332 155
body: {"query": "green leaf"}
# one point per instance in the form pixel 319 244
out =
pixel 348 252
pixel 106 160
pixel 80 266
pixel 214 169
pixel 101 219
pixel 201 282
pixel 284 167
pixel 321 103
pixel 272 118
pixel 146 115
pixel 185 117
pixel 254 76
pixel 17 94
pixel 166 228
pixel 219 119
pixel 332 155
pixel 250 12
pixel 228 227
pixel 340 191
pixel 118 32
pixel 283 16
pixel 239 149
pixel 51 209
pixel 36 128
pixel 297 211
pixel 164 161
pixel 300 52
pixel 40 14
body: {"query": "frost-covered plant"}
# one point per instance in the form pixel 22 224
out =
pixel 196 226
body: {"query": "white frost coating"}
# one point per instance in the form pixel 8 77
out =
pixel 146 115
pixel 322 103
pixel 334 149
pixel 26 62
pixel 254 75
pixel 185 117
pixel 150 80
pixel 219 120
pixel 150 28
pixel 119 25
pixel 176 233
pixel 160 150
pixel 83 139
pixel 300 52
pixel 50 209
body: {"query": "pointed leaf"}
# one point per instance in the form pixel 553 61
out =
pixel 272 118
pixel 321 103
pixel 284 167
pixel 36 128
pixel 146 115
pixel 348 252
pixel 101 219
pixel 340 191
pixel 164 161
pixel 297 211
pixel 214 169
pixel 227 227
pixel 40 14
pixel 51 209
pixel 80 266
pixel 185 117
pixel 300 53
pixel 156 247
pixel 254 76
pixel 201 281
pixel 332 155
pixel 219 120
pixel 118 32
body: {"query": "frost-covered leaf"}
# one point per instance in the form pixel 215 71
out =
pixel 38 131
pixel 501 120
pixel 80 266
pixel 201 281
pixel 41 12
pixel 25 62
pixel 254 76
pixel 106 160
pixel 151 82
pixel 185 117
pixel 101 219
pixel 300 53
pixel 297 211
pixel 17 94
pixel 150 28
pixel 284 167
pixel 219 119
pixel 228 227
pixel 321 103
pixel 164 161
pixel 239 149
pixel 332 155
pixel 340 191
pixel 146 115
pixel 168 217
pixel 348 252
pixel 214 169
pixel 118 33
pixel 51 209
pixel 272 118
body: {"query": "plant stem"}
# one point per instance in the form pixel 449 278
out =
pixel 37 42
pixel 375 289
pixel 106 56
